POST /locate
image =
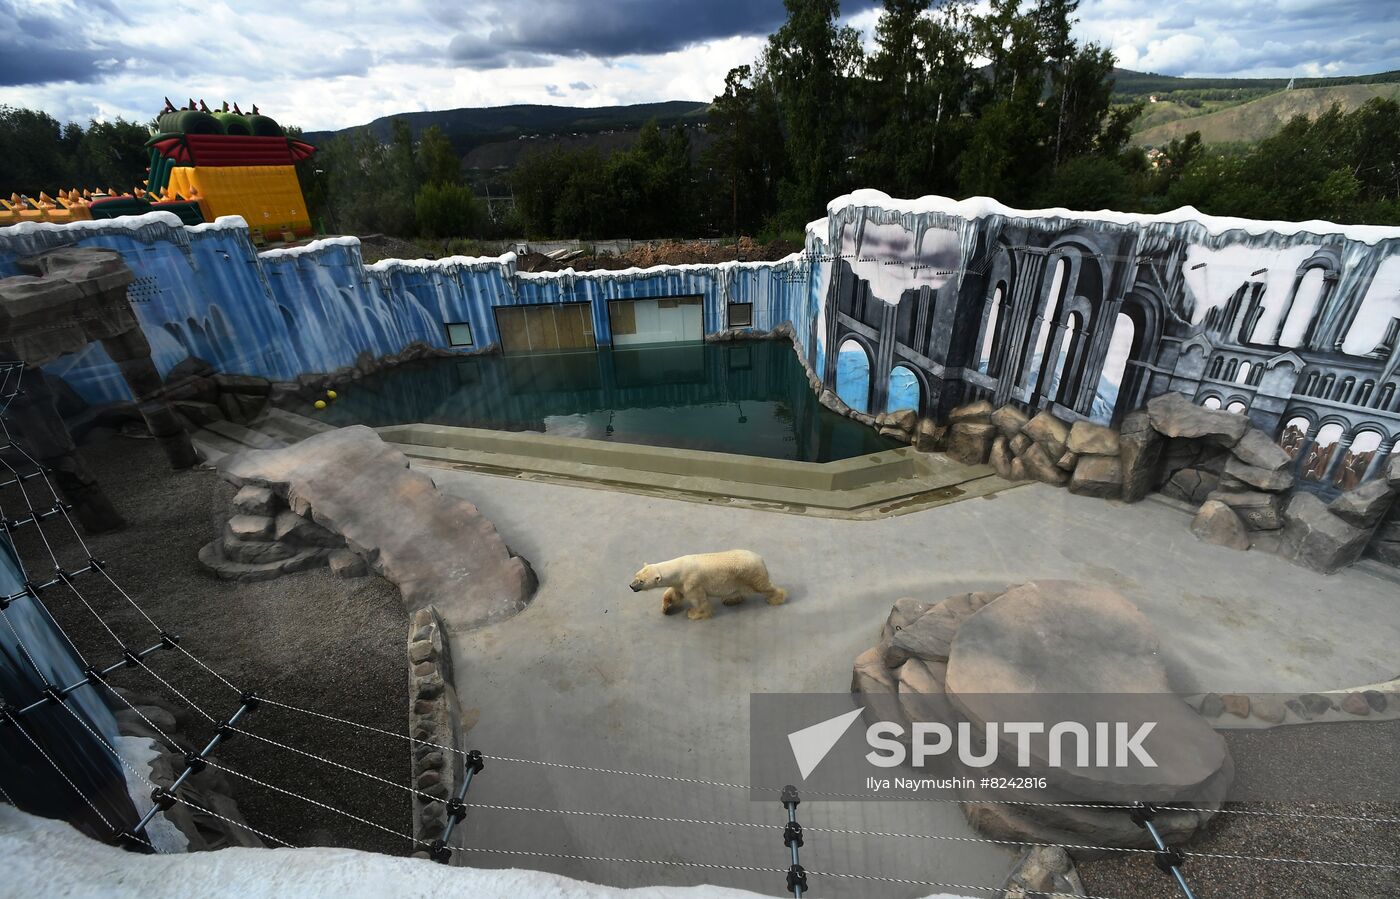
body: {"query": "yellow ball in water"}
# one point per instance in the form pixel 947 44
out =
pixel 332 394
pixel 320 404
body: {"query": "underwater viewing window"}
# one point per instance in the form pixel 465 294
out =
pixel 459 334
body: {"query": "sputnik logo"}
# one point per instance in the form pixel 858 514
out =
pixel 811 744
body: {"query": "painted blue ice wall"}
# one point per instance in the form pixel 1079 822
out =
pixel 206 291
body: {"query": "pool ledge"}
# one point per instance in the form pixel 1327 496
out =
pixel 890 482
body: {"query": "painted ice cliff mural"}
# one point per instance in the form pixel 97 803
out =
pixel 921 304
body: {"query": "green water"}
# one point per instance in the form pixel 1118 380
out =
pixel 750 398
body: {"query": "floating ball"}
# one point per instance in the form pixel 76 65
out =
pixel 320 404
pixel 332 394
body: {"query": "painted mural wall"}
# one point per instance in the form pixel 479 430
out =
pixel 931 303
pixel 205 291
pixel 922 304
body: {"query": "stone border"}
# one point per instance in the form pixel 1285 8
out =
pixel 209 789
pixel 1242 711
pixel 434 716
pixel 1234 476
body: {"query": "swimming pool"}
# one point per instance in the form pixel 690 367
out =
pixel 750 398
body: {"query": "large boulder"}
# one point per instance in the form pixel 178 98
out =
pixel 930 635
pixel 869 674
pixel 1255 477
pixel 1044 642
pixel 1140 448
pixel 1365 505
pixel 1050 432
pixel 1317 539
pixel 1089 439
pixel 1097 476
pixel 1217 523
pixel 920 687
pixel 980 411
pixel 1001 457
pixel 1009 420
pixel 1041 466
pixel 903 613
pixel 930 436
pixel 971 442
pixel 1259 449
pixel 1174 415
pixel 436 547
pixel 904 419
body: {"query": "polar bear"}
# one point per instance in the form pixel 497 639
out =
pixel 697 579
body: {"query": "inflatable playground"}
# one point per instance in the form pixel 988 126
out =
pixel 204 164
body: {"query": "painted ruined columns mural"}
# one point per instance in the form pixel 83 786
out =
pixel 932 303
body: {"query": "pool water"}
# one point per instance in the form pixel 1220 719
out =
pixel 750 398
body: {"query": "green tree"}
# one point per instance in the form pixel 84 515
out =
pixel 34 155
pixel 747 154
pixel 369 186
pixel 438 162
pixel 444 210
pixel 113 154
pixel 808 56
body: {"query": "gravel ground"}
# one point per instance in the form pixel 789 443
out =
pixel 1370 747
pixel 309 639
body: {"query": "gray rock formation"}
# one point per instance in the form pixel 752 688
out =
pixel 1365 505
pixel 1174 415
pixel 1097 476
pixel 1259 449
pixel 1217 523
pixel 1254 477
pixel 255 501
pixel 1009 420
pixel 1140 448
pixel 1317 539
pixel 930 436
pixel 1041 466
pixel 437 548
pixel 1258 510
pixel 965 656
pixel 1001 457
pixel 1089 439
pixel 970 442
pixel 1191 485
pixel 1050 432
pixel 346 564
pixel 980 411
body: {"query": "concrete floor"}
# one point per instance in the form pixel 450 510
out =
pixel 592 674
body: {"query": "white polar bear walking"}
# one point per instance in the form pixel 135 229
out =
pixel 696 579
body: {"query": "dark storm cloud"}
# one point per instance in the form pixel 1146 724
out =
pixel 38 46
pixel 527 31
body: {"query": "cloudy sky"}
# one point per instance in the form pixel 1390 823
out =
pixel 333 63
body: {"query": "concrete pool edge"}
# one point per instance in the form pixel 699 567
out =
pixel 878 485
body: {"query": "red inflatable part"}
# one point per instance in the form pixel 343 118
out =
pixel 233 149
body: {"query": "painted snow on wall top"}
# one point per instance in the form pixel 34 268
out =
pixel 984 207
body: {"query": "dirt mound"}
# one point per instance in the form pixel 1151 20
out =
pixel 374 247
pixel 660 253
